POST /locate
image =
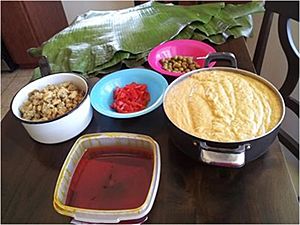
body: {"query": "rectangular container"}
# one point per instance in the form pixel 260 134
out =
pixel 72 160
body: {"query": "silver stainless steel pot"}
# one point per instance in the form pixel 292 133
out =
pixel 226 154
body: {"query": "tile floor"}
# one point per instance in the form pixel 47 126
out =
pixel 10 84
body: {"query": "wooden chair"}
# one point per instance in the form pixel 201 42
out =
pixel 287 10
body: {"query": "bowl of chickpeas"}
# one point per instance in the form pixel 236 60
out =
pixel 178 57
pixel 54 108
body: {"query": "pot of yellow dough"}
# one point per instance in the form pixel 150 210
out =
pixel 221 115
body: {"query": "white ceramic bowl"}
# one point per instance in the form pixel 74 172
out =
pixel 61 128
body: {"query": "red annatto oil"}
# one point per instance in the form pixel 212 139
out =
pixel 111 178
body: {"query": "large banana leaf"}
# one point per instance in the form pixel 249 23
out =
pixel 101 41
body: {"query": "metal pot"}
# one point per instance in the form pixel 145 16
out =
pixel 61 128
pixel 226 154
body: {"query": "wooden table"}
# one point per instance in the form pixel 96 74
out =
pixel 189 192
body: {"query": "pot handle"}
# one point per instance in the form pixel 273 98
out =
pixel 44 66
pixel 221 56
pixel 226 157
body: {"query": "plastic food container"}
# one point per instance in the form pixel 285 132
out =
pixel 115 179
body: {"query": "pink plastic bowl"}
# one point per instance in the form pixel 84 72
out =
pixel 178 47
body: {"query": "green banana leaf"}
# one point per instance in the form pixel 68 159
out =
pixel 98 42
pixel 118 57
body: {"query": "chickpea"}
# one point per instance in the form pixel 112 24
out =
pixel 179 64
pixel 48 103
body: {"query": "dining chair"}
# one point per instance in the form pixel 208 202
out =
pixel 286 11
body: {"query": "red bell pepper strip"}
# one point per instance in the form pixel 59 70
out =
pixel 131 98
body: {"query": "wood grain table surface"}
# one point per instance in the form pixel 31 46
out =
pixel 189 191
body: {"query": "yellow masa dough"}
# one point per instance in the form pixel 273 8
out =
pixel 223 106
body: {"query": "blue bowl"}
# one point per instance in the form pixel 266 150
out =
pixel 102 92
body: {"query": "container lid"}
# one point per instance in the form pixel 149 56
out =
pixel 100 144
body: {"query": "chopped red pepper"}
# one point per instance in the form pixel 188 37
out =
pixel 131 98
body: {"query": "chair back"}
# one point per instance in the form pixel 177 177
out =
pixel 286 10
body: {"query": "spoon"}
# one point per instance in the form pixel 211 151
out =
pixel 201 57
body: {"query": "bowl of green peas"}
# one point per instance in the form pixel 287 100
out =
pixel 177 57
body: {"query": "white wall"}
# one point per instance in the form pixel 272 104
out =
pixel 76 8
